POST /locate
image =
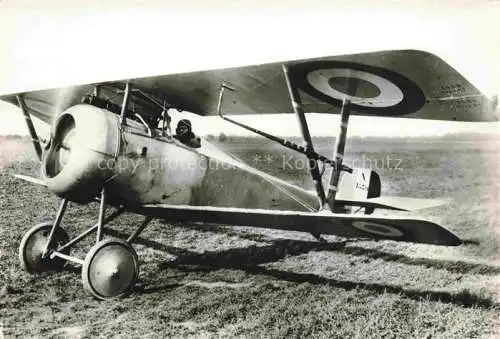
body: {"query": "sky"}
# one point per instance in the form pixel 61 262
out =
pixel 59 44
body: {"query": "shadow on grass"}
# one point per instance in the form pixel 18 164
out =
pixel 150 288
pixel 249 259
pixel 462 267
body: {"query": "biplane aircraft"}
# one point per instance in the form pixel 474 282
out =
pixel 111 142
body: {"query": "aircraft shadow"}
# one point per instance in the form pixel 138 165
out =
pixel 442 264
pixel 249 258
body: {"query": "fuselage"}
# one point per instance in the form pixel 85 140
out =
pixel 90 150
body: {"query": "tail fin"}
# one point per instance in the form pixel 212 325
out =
pixel 359 185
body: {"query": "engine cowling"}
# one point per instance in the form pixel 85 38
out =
pixel 85 140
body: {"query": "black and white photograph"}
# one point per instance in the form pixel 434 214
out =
pixel 249 169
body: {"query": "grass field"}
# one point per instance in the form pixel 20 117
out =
pixel 213 280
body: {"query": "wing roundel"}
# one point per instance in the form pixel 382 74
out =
pixel 371 90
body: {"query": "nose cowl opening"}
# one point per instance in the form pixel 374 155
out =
pixel 61 146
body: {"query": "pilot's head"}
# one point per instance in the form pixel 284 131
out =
pixel 183 127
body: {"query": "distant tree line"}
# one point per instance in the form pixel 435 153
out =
pixel 221 137
pixel 13 137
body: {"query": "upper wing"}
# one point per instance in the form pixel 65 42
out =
pixel 396 83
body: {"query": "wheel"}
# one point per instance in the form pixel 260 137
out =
pixel 33 244
pixel 110 269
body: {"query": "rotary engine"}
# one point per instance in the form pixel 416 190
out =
pixel 83 138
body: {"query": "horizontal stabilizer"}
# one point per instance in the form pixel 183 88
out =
pixel 395 203
pixel 344 225
pixel 33 180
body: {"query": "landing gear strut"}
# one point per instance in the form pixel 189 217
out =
pixel 110 268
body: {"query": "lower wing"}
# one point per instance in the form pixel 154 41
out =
pixel 344 225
